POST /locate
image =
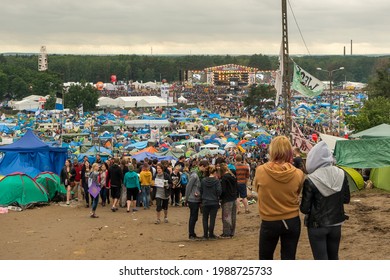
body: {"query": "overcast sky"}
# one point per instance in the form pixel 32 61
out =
pixel 193 27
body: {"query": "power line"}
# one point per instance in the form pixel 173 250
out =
pixel 299 29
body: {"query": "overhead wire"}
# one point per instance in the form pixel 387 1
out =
pixel 299 29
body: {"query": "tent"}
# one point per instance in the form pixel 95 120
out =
pixel 367 153
pixel 31 156
pixel 21 190
pixel 379 131
pixel 52 184
pixel 355 179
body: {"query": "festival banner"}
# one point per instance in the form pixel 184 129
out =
pixel 279 76
pixel 305 83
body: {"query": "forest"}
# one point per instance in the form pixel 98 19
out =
pixel 19 76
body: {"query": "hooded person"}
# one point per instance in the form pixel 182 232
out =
pixel 325 192
pixel 279 184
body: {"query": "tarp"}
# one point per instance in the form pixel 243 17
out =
pixel 32 156
pixel 366 153
pixel 21 190
pixel 382 130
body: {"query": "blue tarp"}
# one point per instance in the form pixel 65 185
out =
pixel 142 156
pixel 31 155
pixel 138 145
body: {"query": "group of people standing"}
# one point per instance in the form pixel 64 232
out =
pixel 284 190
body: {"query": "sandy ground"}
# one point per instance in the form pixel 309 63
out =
pixel 58 232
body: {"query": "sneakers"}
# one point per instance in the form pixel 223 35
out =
pixel 135 209
pixel 212 237
pixel 157 221
pixel 94 216
pixel 113 209
pixel 165 220
pixel 193 237
pixel 225 236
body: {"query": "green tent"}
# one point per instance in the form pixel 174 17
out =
pixel 52 184
pixel 21 190
pixel 381 177
pixel 379 131
pixel 365 153
pixel 355 179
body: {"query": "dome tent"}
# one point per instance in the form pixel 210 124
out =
pixel 21 190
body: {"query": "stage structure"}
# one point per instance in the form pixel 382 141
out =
pixel 229 75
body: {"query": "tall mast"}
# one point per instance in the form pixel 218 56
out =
pixel 286 91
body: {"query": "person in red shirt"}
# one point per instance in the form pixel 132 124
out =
pixel 77 190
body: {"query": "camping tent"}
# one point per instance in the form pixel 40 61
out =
pixel 355 179
pixel 367 153
pixel 52 184
pixel 21 190
pixel 379 131
pixel 31 156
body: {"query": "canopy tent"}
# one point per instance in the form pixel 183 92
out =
pixel 21 190
pixel 379 131
pixel 32 156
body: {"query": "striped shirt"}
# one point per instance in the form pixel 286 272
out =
pixel 242 173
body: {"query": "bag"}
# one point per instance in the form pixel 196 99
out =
pixel 184 179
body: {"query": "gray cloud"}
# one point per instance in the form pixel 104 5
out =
pixel 172 26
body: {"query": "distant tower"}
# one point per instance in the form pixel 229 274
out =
pixel 42 60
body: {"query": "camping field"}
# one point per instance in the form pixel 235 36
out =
pixel 58 232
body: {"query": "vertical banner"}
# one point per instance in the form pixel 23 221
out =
pixel 305 83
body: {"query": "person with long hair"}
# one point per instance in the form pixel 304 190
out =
pixel 228 201
pixel 325 191
pixel 162 193
pixel 94 177
pixel 104 184
pixel 67 177
pixel 85 171
pixel 210 192
pixel 279 184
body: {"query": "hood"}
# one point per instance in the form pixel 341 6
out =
pixel 210 182
pixel 147 174
pixel 282 173
pixel 132 174
pixel 319 156
pixel 328 180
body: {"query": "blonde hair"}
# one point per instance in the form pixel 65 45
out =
pixel 280 149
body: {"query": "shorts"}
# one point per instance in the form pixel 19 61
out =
pixel 115 192
pixel 161 204
pixel 132 193
pixel 242 192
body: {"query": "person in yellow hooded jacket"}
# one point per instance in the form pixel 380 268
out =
pixel 279 184
pixel 146 178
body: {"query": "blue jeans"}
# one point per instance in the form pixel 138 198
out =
pixel 145 196
pixel 325 242
pixel 288 231
pixel 95 202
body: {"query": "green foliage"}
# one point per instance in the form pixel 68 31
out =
pixel 50 102
pixel 84 94
pixel 374 112
pixel 260 98
pixel 380 85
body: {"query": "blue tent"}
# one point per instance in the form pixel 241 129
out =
pixel 143 155
pixel 31 156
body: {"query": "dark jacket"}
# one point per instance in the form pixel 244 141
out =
pixel 210 191
pixel 324 211
pixel 116 176
pixel 229 188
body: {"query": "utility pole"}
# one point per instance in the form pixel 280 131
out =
pixel 286 91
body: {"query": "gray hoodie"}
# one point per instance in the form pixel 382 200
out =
pixel 211 191
pixel 193 188
pixel 319 164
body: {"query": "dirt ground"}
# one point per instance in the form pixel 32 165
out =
pixel 59 232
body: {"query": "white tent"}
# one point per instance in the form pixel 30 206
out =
pixel 182 99
pixel 330 140
pixel 25 104
pixel 209 146
pixel 104 102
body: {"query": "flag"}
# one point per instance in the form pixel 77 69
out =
pixel 279 76
pixel 37 112
pixel 305 83
pixel 59 104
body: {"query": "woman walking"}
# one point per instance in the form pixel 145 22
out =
pixel 94 179
pixel 278 184
pixel 131 182
pixel 67 177
pixel 163 184
pixel 325 191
